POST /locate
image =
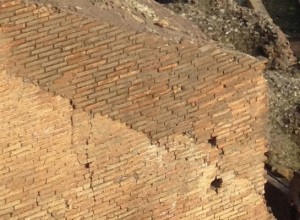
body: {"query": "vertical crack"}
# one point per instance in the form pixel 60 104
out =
pixel 88 163
pixel 72 132
pixel 49 213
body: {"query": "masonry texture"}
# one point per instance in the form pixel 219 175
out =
pixel 100 122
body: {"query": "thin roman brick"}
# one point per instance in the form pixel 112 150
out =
pixel 36 36
pixel 52 62
pixel 47 77
pixel 24 35
pixel 118 42
pixel 99 27
pixel 31 7
pixel 33 73
pixel 38 21
pixel 86 37
pixel 34 70
pixel 248 62
pixel 26 19
pixel 83 93
pixel 56 66
pixel 120 106
pixel 224 57
pixel 124 65
pixel 59 55
pixel 108 80
pixel 86 83
pixel 47 40
pixel 122 86
pixel 106 30
pixel 118 99
pixel 36 62
pixel 128 58
pixel 120 57
pixel 48 53
pixel 69 46
pixel 105 86
pixel 83 49
pixel 6 41
pixel 86 72
pixel 98 64
pixel 134 48
pixel 101 53
pixel 122 46
pixel 126 34
pixel 59 14
pixel 98 38
pixel 60 28
pixel 66 32
pixel 69 67
pixel 32 28
pixel 70 17
pixel 27 59
pixel 230 69
pixel 19 16
pixel 99 93
pixel 104 41
pixel 223 68
pixel 10 27
pixel 95 105
pixel 56 21
pixel 189 51
pixel 79 59
pixel 4 17
pixel 77 34
pixel 91 24
pixel 137 36
pixel 107 66
pixel 105 109
pixel 12 8
pixel 14 43
pixel 96 49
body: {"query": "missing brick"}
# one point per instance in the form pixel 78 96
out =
pixel 216 184
pixel 87 165
pixel 213 141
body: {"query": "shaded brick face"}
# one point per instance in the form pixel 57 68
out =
pixel 108 123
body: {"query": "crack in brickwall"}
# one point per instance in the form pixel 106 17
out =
pixel 157 89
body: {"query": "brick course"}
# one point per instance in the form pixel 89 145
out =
pixel 99 122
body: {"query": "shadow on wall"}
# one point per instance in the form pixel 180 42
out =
pixel 278 202
pixel 171 1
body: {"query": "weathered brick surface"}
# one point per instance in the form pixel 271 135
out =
pixel 111 124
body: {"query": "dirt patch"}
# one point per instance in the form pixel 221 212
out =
pixel 284 120
pixel 239 28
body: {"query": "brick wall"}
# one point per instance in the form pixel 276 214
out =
pixel 99 122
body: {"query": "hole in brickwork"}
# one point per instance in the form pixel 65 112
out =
pixel 213 141
pixel 87 165
pixel 216 184
pixel 224 86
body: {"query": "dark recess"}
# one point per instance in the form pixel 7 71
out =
pixel 216 184
pixel 213 141
pixel 170 1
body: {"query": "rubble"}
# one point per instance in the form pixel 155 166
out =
pixel 255 33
